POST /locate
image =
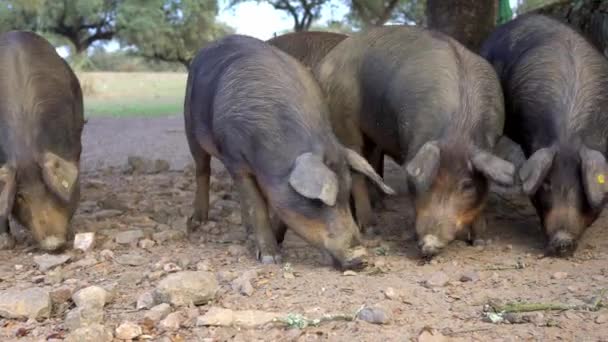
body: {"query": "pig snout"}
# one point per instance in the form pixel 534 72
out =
pixel 563 227
pixel 561 244
pixel 430 245
pixel 53 243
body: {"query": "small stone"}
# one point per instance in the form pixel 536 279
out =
pixel 224 276
pixel 91 297
pixel 243 285
pixel 559 275
pixel 602 319
pixel 34 303
pixel 106 254
pixel 235 218
pixel 112 202
pixel 84 263
pixel 157 313
pixel 61 295
pixel 83 316
pixel 168 235
pixel 171 268
pixel 390 293
pixel 129 237
pixel 437 279
pixel 38 279
pixel 187 287
pixel 84 241
pixel 18 267
pixel 154 276
pixel 131 260
pixel 172 322
pixel 47 261
pixel 106 214
pixel 349 273
pixel 130 278
pixel 90 333
pixel 128 331
pixel 55 276
pixel 145 301
pixel 374 315
pixel 184 262
pixel 146 243
pixel 469 277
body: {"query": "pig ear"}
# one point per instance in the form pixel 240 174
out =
pixel 312 179
pixel 361 165
pixel 422 169
pixel 59 175
pixel 535 169
pixel 493 167
pixel 8 187
pixel 595 173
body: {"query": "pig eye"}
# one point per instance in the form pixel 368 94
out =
pixel 467 185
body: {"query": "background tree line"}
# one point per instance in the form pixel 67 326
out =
pixel 157 34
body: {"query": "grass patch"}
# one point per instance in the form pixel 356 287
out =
pixel 133 94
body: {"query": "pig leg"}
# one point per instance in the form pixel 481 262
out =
pixel 478 229
pixel 201 200
pixel 278 227
pixel 6 239
pixel 376 159
pixel 254 211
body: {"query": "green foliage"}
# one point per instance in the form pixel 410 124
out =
pixel 169 30
pixel 504 11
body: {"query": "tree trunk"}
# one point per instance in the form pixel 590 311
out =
pixel 590 17
pixel 468 21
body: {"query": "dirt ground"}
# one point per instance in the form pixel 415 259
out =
pixel 509 268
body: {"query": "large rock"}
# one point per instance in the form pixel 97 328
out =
pixel 129 237
pixel 244 319
pixel 34 303
pixel 185 288
pixel 128 331
pixel 91 297
pixel 89 307
pixel 91 333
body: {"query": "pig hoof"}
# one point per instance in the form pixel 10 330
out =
pixel 562 248
pixel 430 246
pixel 193 223
pixel 271 259
pixel 6 241
pixel 356 260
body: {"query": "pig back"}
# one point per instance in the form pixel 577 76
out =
pixel 260 106
pixel 41 101
pixel 555 82
pixel 307 47
pixel 414 85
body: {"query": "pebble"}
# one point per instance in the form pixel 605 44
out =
pixel 90 333
pixel 171 268
pixel 237 250
pixel 374 315
pixel 61 295
pixel 131 260
pixel 129 237
pixel 128 331
pixel 437 279
pixel 91 297
pixel 157 313
pixel 84 241
pixel 168 235
pixel 55 276
pixel 470 277
pixel 186 287
pixel 33 303
pixel 390 293
pixel 172 322
pixel 106 254
pixel 106 214
pixel 130 278
pixel 243 285
pixel 84 263
pixel 601 319
pixel 47 261
pixel 203 266
pixel 112 202
pixel 559 275
pixel 81 317
pixel 145 301
pixel 146 243
pixel 349 273
pixel 431 335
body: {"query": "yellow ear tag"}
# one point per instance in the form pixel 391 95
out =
pixel 600 178
pixel 65 183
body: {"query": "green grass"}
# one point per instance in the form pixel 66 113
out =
pixel 133 94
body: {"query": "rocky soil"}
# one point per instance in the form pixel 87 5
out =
pixel 134 273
